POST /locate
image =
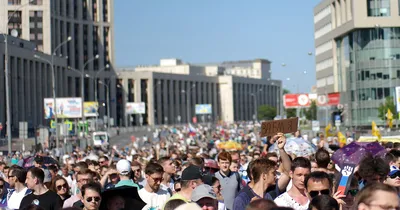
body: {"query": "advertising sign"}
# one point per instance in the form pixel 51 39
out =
pixel 398 99
pixel 90 108
pixel 66 108
pixel 135 108
pixel 203 109
pixel 304 100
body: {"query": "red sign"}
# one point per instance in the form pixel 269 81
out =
pixel 296 100
pixel 304 100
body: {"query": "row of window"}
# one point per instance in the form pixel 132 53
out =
pixel 325 81
pixel 323 48
pixel 322 14
pixel 368 94
pixel 324 30
pixel 378 8
pixel 324 64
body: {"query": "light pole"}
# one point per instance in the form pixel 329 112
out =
pixel 95 91
pixel 53 83
pixel 255 103
pixel 6 74
pixel 83 89
pixel 187 102
pixel 108 102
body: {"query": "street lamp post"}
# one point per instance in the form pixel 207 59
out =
pixel 83 89
pixel 187 102
pixel 6 74
pixel 255 104
pixel 95 92
pixel 53 83
pixel 108 101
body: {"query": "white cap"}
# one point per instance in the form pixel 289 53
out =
pixel 124 167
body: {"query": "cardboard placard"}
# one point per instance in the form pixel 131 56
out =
pixel 345 178
pixel 271 128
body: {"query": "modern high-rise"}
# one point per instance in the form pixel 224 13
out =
pixel 48 23
pixel 357 49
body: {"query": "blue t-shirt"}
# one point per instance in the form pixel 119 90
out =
pixel 246 194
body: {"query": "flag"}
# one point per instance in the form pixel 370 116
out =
pixel 389 117
pixel 327 129
pixel 375 131
pixel 342 138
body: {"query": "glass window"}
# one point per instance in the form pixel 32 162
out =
pixel 39 13
pixel 378 8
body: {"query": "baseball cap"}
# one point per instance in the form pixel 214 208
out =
pixel 192 172
pixel 124 167
pixel 203 191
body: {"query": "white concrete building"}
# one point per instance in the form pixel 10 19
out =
pixel 235 89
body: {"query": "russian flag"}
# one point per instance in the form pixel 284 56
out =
pixel 192 130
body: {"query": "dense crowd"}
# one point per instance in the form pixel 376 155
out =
pixel 189 168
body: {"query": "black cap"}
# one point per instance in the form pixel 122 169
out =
pixel 38 160
pixel 192 172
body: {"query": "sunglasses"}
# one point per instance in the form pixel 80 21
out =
pixel 177 189
pixel 395 175
pixel 59 187
pixel 90 199
pixel 353 192
pixel 322 192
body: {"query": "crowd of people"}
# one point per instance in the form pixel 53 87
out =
pixel 186 169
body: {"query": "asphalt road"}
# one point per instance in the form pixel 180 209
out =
pixel 125 139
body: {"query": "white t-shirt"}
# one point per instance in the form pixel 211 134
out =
pixel 285 200
pixel 14 201
pixel 69 180
pixel 154 201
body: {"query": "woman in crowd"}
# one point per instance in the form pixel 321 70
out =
pixel 61 187
pixel 216 185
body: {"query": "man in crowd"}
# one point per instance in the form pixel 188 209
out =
pixel 169 171
pixel 191 178
pixel 230 181
pixel 154 196
pixel 77 168
pixel 263 175
pixel 103 161
pixel 83 177
pixel 41 196
pixel 323 159
pixel 91 197
pixel 124 170
pixel 318 183
pixel 137 174
pixel 393 158
pixel 205 197
pixel 296 197
pixel 372 169
pixel 18 190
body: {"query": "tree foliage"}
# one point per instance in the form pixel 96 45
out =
pixel 311 112
pixel 266 112
pixel 383 108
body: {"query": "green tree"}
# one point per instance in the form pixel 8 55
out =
pixel 266 112
pixel 383 108
pixel 311 112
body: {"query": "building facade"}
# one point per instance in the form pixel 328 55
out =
pixel 357 48
pixel 89 23
pixel 172 89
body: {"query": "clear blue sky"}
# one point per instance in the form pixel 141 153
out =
pixel 201 31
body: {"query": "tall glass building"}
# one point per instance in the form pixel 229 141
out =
pixel 357 54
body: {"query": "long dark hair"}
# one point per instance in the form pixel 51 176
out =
pixel 53 186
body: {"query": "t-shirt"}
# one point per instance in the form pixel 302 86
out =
pixel 70 201
pixel 49 200
pixel 154 201
pixel 128 182
pixel 244 198
pixel 285 200
pixel 231 185
pixel 14 200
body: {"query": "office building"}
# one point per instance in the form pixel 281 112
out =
pixel 48 23
pixel 357 54
pixel 172 89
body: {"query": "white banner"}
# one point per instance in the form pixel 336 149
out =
pixel 135 108
pixel 66 108
pixel 398 98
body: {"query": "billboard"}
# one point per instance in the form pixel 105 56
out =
pixel 66 108
pixel 90 108
pixel 135 108
pixel 203 109
pixel 304 100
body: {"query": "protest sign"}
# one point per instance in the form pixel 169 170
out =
pixel 271 128
pixel 345 179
